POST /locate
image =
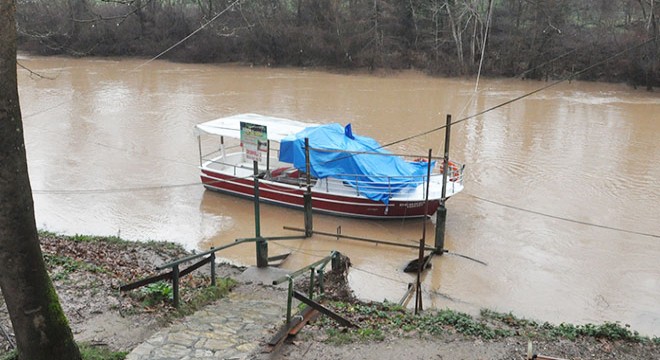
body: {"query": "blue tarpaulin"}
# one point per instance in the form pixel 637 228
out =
pixel 375 176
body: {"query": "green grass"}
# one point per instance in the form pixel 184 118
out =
pixel 461 323
pixel 608 330
pixel 90 352
pixel 160 294
pixel 339 336
pixel 378 319
pixel 203 296
pixel 87 352
pixel 67 265
pixel 116 240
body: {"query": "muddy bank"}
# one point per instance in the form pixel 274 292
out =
pixel 87 271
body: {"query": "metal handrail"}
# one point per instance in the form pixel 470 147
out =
pixel 316 267
pixel 321 264
pixel 198 255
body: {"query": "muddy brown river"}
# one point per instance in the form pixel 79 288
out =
pixel 562 191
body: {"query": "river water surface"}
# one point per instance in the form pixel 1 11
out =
pixel 550 178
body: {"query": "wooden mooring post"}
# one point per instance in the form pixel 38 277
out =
pixel 440 220
pixel 261 243
pixel 441 214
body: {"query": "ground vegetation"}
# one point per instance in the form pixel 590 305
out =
pixel 87 271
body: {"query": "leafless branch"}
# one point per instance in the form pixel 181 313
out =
pixel 32 73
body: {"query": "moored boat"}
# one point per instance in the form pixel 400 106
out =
pixel 350 175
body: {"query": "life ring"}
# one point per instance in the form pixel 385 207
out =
pixel 452 171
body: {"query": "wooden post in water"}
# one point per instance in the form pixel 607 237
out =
pixel 418 283
pixel 307 196
pixel 422 244
pixel 261 244
pixel 440 220
pixel 441 214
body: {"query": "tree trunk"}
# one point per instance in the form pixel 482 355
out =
pixel 42 331
pixel 457 34
pixel 76 9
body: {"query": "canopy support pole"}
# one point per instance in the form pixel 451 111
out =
pixel 307 196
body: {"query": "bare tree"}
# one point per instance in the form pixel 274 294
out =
pixel 42 331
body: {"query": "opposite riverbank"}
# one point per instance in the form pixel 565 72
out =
pixel 88 270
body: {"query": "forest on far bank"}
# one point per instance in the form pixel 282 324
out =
pixel 617 40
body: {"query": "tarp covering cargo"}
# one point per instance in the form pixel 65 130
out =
pixel 375 176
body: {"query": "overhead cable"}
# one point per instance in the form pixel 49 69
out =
pixel 565 218
pixel 570 77
pixel 189 35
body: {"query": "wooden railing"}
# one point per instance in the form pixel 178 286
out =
pixel 176 273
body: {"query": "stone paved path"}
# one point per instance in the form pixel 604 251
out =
pixel 232 328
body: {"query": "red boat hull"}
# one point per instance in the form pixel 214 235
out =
pixel 334 204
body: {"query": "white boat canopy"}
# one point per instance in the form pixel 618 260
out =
pixel 277 128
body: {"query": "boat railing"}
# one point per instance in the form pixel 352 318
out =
pixel 216 159
pixel 218 152
pixel 360 183
pixel 221 159
pixel 229 150
pixel 396 184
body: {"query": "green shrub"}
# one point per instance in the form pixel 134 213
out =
pixel 156 293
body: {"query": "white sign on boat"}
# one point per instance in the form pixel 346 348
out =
pixel 254 140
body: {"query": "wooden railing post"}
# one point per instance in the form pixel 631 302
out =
pixel 175 285
pixel 213 282
pixel 321 282
pixel 289 300
pixel 336 261
pixel 311 283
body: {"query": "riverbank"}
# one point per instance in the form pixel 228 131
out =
pixel 87 271
pixel 391 35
